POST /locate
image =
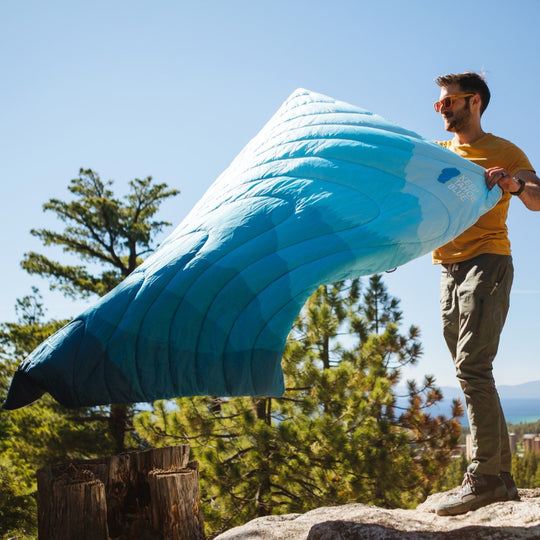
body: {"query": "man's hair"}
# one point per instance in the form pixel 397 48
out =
pixel 469 82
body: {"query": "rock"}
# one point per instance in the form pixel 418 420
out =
pixel 502 520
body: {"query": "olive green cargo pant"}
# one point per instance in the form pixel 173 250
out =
pixel 475 296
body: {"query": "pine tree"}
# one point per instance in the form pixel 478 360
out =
pixel 452 475
pixel 46 431
pixel 334 437
pixel 17 485
pixel 109 236
pixel 43 434
pixel 525 469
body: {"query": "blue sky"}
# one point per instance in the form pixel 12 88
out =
pixel 176 89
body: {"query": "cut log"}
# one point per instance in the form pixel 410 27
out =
pixel 145 494
pixel 175 506
pixel 72 506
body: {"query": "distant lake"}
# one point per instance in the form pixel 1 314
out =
pixel 515 410
pixel 521 410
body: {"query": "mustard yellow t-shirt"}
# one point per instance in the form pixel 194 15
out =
pixel 489 234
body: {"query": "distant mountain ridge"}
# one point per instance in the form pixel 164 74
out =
pixel 520 402
pixel 520 391
pixel 528 390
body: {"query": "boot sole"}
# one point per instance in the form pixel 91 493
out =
pixel 463 508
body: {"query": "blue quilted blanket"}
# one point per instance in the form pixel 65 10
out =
pixel 326 191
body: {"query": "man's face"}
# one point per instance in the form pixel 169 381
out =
pixel 457 116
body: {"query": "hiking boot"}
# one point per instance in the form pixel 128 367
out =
pixel 511 488
pixel 477 490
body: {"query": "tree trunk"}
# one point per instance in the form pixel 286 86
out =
pixel 118 425
pixel 145 494
pixel 263 407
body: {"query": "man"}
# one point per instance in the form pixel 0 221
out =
pixel 476 279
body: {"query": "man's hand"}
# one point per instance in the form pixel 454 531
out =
pixel 501 177
pixel 530 196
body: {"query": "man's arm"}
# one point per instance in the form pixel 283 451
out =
pixel 530 195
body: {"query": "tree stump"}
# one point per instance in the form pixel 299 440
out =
pixel 146 495
pixel 174 500
pixel 72 506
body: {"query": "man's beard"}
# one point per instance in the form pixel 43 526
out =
pixel 460 121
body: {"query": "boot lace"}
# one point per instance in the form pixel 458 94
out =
pixel 470 482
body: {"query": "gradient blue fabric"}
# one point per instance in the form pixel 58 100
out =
pixel 326 191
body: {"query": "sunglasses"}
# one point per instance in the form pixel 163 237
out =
pixel 448 101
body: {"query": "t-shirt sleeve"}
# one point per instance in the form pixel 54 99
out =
pixel 517 160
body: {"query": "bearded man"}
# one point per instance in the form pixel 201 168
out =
pixel 476 278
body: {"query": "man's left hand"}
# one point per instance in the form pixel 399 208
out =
pixel 501 177
pixel 530 196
